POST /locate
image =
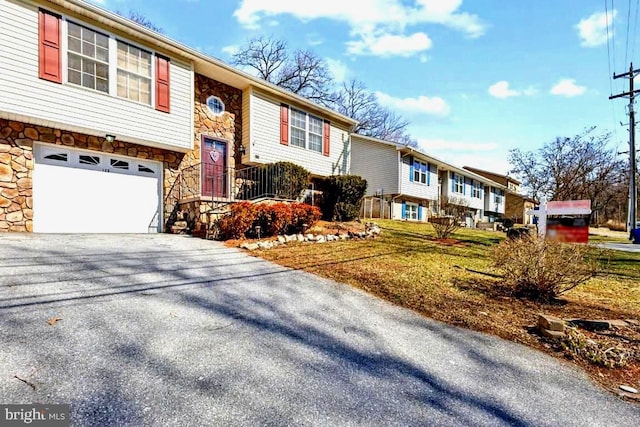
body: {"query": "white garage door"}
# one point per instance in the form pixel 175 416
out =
pixel 78 191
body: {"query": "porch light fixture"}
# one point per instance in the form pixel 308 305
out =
pixel 110 138
pixel 242 150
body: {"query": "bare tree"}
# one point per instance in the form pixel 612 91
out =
pixel 139 18
pixel 581 167
pixel 306 74
pixel 355 101
pixel 265 56
pixel 301 72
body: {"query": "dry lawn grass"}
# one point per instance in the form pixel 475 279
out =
pixel 454 282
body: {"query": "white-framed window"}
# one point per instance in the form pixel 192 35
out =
pixel 87 58
pixel 497 197
pixel 306 131
pixel 134 73
pixel 411 211
pixel 215 105
pixel 458 183
pixel 476 189
pixel 99 61
pixel 315 134
pixel 298 128
pixel 420 171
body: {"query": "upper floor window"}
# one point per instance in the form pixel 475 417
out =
pixel 315 134
pixel 458 183
pixel 420 171
pixel 134 73
pixel 95 60
pixel 306 130
pixel 498 196
pixel 88 58
pixel 476 190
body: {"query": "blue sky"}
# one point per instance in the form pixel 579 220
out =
pixel 475 78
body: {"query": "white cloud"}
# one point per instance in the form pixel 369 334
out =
pixel 435 144
pixel 568 88
pixel 388 45
pixel 501 90
pixel 372 27
pixel 593 30
pixel 491 156
pixel 338 69
pixel 231 49
pixel 421 105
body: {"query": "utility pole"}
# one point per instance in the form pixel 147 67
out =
pixel 631 74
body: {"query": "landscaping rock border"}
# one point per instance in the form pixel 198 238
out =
pixel 372 230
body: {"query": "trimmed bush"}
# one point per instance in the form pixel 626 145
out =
pixel 273 219
pixel 237 223
pixel 341 197
pixel 541 269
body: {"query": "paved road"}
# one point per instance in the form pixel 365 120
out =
pixel 625 247
pixel 168 330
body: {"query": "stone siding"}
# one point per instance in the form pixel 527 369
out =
pixel 16 166
pixel 16 159
pixel 226 127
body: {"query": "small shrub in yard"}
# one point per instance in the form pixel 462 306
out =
pixel 273 219
pixel 341 197
pixel 540 269
pixel 444 226
pixel 235 224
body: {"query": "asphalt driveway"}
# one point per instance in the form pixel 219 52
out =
pixel 169 330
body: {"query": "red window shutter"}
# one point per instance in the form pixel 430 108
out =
pixel 327 139
pixel 50 61
pixel 284 124
pixel 162 84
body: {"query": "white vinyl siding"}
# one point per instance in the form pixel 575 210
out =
pixel 27 98
pixel 467 199
pixel 417 188
pixel 377 163
pixel 494 200
pixel 263 138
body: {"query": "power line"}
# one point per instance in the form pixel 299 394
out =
pixel 635 28
pixel 606 17
pixel 626 47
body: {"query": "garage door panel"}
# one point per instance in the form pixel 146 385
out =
pixel 73 200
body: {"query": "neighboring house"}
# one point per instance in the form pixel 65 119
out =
pixel 107 126
pixel 402 181
pixel 483 198
pixel 407 183
pixel 516 204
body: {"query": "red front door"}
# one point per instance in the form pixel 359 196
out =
pixel 214 167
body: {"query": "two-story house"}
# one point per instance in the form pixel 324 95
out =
pixel 402 181
pixel 407 183
pixel 107 126
pixel 516 204
pixel 482 199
